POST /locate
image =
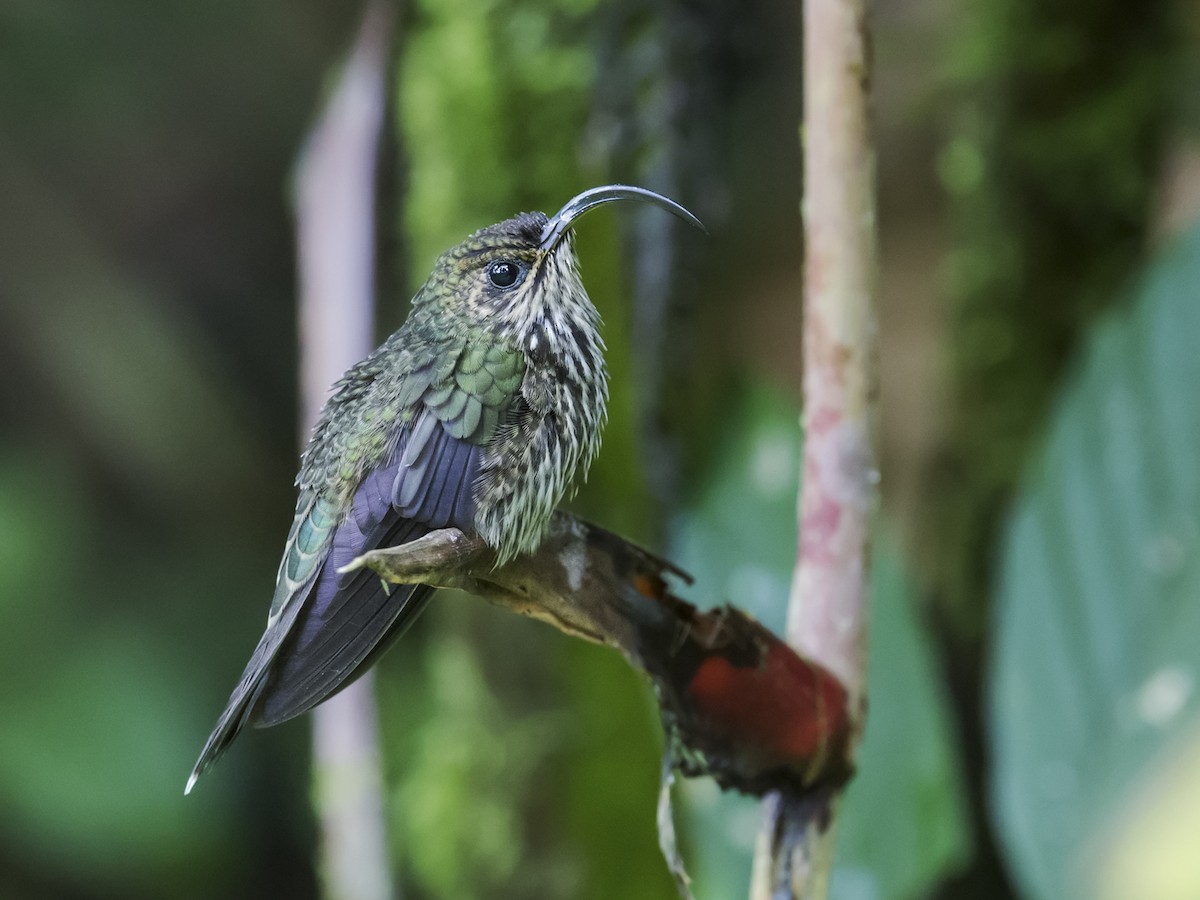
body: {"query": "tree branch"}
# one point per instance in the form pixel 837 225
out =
pixel 737 703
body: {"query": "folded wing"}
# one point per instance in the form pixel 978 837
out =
pixel 326 628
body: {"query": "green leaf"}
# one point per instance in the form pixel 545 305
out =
pixel 1098 613
pixel 908 769
pixel 739 540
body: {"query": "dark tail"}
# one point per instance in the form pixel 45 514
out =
pixel 324 638
pixel 245 696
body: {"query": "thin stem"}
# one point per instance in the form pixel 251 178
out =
pixel 335 187
pixel 827 616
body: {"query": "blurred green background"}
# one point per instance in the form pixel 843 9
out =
pixel 1035 727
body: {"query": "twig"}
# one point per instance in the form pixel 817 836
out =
pixel 827 617
pixel 335 188
pixel 737 702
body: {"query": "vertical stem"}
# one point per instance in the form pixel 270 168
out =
pixel 335 189
pixel 827 611
pixel 827 615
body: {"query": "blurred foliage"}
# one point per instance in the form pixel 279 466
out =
pixel 1094 694
pixel 470 71
pixel 1050 162
pixel 738 538
pixel 1054 140
pixel 147 435
pixel 147 336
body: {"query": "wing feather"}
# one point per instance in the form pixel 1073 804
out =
pixel 346 616
pixel 325 628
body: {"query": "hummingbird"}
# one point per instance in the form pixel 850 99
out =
pixel 477 414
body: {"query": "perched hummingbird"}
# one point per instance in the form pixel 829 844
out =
pixel 476 414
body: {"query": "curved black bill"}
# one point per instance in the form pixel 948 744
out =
pixel 561 221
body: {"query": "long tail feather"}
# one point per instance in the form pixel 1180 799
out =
pixel 244 697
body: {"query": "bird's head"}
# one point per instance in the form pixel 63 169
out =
pixel 521 275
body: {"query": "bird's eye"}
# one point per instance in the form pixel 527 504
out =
pixel 503 273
